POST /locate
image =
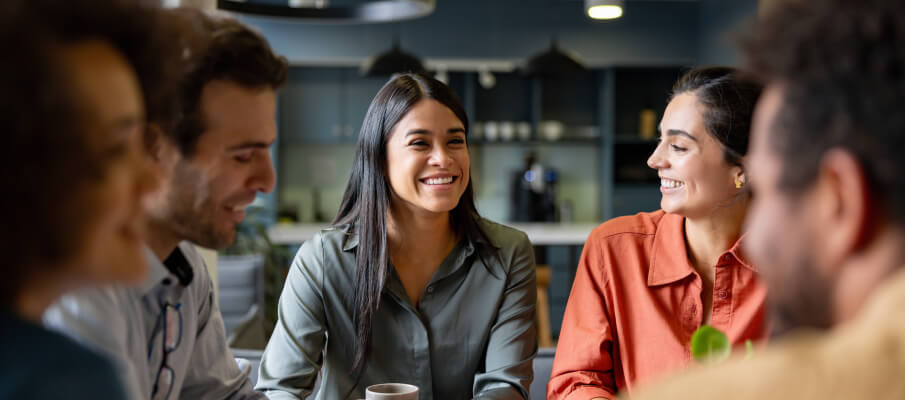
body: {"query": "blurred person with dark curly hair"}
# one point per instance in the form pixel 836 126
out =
pixel 79 79
pixel 167 333
pixel 828 222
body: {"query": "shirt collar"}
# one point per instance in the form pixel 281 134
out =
pixel 157 272
pixel 669 258
pixel 350 242
pixel 738 252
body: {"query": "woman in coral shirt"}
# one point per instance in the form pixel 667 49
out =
pixel 646 282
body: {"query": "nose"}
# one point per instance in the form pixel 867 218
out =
pixel 440 157
pixel 263 178
pixel 656 159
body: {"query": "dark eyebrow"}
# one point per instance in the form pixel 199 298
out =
pixel 250 145
pixel 678 132
pixel 427 132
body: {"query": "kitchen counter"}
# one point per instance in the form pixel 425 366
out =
pixel 540 233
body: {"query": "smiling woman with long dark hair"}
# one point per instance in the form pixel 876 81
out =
pixel 410 284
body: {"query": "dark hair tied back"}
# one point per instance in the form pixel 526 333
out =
pixel 729 99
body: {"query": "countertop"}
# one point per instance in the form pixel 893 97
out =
pixel 540 233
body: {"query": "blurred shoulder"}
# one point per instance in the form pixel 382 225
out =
pixel 55 367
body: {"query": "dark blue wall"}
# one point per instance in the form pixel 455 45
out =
pixel 720 19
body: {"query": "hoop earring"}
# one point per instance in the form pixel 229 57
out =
pixel 739 184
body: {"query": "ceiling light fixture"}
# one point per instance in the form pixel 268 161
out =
pixel 604 9
pixel 391 62
pixel 365 11
pixel 554 63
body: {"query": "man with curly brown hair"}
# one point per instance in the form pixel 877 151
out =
pixel 827 224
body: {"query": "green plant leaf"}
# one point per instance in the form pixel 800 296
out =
pixel 709 345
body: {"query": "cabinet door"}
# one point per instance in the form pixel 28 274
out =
pixel 638 88
pixel 358 91
pixel 310 106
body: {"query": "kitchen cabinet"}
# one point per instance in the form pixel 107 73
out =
pixel 325 105
pixel 631 185
pixel 310 106
pixel 553 110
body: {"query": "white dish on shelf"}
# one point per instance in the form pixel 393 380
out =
pixel 491 130
pixel 507 130
pixel 477 130
pixel 523 129
pixel 551 130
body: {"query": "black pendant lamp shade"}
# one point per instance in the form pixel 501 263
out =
pixel 353 12
pixel 554 63
pixel 391 62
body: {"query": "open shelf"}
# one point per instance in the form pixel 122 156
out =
pixel 537 142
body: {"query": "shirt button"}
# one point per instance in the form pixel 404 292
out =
pixel 430 289
pixel 723 293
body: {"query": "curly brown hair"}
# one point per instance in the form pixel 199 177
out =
pixel 841 67
pixel 49 160
pixel 233 53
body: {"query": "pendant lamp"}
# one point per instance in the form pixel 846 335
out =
pixel 392 61
pixel 361 11
pixel 553 63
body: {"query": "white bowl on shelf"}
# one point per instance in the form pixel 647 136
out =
pixel 551 130
pixel 523 129
pixel 477 130
pixel 491 130
pixel 507 130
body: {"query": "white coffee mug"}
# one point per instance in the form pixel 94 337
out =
pixel 391 391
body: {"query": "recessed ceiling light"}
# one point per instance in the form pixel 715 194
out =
pixel 604 9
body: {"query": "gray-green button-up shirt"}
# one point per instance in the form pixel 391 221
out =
pixel 472 335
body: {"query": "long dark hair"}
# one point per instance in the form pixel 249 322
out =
pixel 730 98
pixel 368 194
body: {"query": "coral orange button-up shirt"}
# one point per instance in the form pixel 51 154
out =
pixel 635 303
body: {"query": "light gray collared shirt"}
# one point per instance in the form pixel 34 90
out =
pixel 472 335
pixel 122 322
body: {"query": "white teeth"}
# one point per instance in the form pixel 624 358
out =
pixel 439 181
pixel 670 184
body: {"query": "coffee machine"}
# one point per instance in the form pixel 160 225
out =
pixel 533 196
